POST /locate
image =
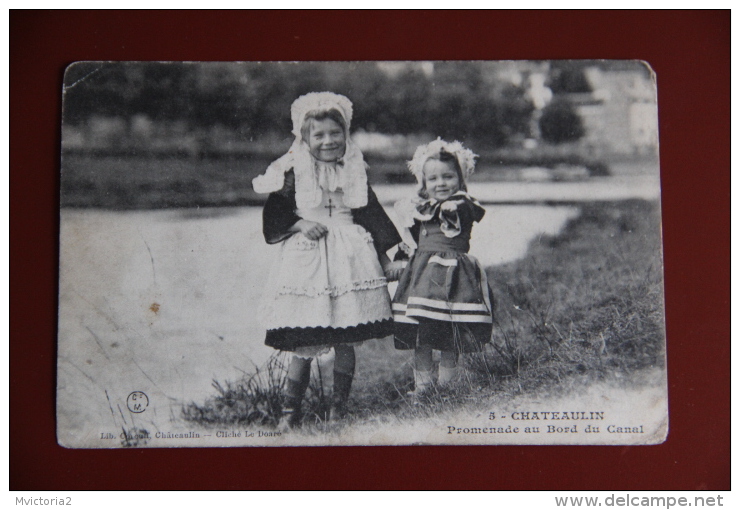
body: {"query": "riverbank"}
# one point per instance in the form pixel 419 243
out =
pixel 146 183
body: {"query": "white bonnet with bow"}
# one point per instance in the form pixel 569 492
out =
pixel 465 158
pixel 351 170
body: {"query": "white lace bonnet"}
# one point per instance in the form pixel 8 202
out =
pixel 351 170
pixel 465 158
pixel 407 209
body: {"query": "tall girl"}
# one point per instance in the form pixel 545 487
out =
pixel 443 300
pixel 327 287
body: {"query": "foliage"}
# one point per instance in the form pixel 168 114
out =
pixel 561 123
pixel 459 100
pixel 257 399
pixel 567 77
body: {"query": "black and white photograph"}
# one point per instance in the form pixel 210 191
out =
pixel 360 253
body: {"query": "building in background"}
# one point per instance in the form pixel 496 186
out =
pixel 622 113
pixel 615 100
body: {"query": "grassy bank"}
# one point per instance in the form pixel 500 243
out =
pixel 129 181
pixel 582 306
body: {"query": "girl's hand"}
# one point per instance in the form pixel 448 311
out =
pixel 405 249
pixel 387 266
pixel 311 229
pixel 394 270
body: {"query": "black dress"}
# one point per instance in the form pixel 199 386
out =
pixel 443 299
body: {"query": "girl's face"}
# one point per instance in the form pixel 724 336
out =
pixel 441 179
pixel 326 140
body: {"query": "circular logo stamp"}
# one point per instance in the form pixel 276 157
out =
pixel 137 402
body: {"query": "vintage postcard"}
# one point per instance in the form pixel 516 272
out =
pixel 360 253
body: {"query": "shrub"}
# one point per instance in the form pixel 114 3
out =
pixel 561 123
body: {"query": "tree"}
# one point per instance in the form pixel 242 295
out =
pixel 561 123
pixel 458 100
pixel 567 77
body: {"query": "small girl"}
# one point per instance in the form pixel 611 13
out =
pixel 327 286
pixel 443 300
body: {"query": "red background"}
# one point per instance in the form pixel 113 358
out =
pixel 689 51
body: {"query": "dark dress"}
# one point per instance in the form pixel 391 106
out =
pixel 345 245
pixel 443 299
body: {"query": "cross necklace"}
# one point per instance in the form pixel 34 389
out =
pixel 330 207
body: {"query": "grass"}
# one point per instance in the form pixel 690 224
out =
pixel 584 305
pixel 146 181
pixel 125 183
pixel 589 301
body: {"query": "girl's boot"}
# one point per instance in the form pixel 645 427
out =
pixel 423 381
pixel 447 375
pixel 342 387
pixel 295 390
pixel 447 368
